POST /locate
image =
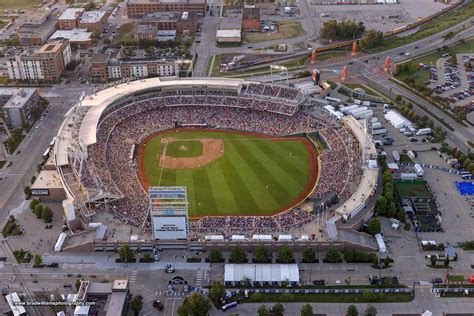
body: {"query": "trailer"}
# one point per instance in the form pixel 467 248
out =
pixel 362 108
pixel 379 131
pixel 345 109
pixel 408 176
pixel 363 114
pixel 411 154
pixel 424 131
pixel 376 125
pixel 419 170
pixel 214 238
pixel 60 242
pixel 285 238
pixel 396 156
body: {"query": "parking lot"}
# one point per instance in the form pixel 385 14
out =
pixel 452 79
pixel 383 17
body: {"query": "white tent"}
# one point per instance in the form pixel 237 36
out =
pixel 397 120
pixel 262 272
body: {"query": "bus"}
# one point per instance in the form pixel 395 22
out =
pixel 228 306
pixel 46 153
pixel 52 142
pixel 332 99
pixel 467 177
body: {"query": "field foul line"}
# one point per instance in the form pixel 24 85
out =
pixel 164 157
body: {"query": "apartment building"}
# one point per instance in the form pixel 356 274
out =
pixel 17 105
pixel 138 8
pixel 110 64
pixel 46 63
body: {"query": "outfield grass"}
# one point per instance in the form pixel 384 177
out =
pixel 254 176
pixel 184 148
pixel 285 30
pixel 18 4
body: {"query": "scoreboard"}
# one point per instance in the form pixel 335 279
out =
pixel 169 212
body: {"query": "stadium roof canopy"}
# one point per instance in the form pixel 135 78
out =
pixel 262 272
pixel 99 101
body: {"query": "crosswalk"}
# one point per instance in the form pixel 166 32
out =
pixel 133 276
pixel 199 277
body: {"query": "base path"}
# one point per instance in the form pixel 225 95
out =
pixel 212 149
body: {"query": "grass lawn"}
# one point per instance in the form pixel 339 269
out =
pixel 2 163
pixel 456 278
pixel 11 229
pixel 22 256
pixel 412 189
pixel 436 25
pixel 254 176
pixel 4 80
pixel 125 34
pixel 285 30
pixel 18 4
pixel 335 298
pixel 184 148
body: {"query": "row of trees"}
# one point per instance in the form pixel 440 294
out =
pixel 262 255
pixel 344 30
pixel 307 310
pixel 41 211
pixel 466 160
pixel 385 204
pixel 372 39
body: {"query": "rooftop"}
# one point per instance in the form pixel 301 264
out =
pixel 228 33
pixel 166 1
pixel 92 16
pixel 115 303
pixel 99 58
pixel 47 179
pixel 34 30
pixel 50 48
pixel 251 13
pixel 71 13
pixel 74 35
pixel 18 96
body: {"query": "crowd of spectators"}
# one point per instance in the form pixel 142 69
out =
pixel 109 169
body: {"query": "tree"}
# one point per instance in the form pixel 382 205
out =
pixel 137 304
pixel 125 253
pixel 256 297
pixel 262 311
pixel 386 261
pixel 374 226
pixel 309 255
pixel 381 205
pixel 333 30
pixel 33 204
pixel 38 210
pixel 47 214
pixel 398 99
pixel 27 191
pixel 246 282
pixel 216 293
pixel 278 309
pixel 433 260
pixel 446 261
pixel 370 311
pixel 90 6
pixel 332 255
pixel 352 311
pixel 38 260
pixel 195 305
pixel 285 255
pixel 237 255
pixel 372 39
pixel 262 255
pixel 215 255
pixel 306 310
pixel 96 34
pixel 77 284
pixel 147 257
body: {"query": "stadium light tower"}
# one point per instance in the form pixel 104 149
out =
pixel 280 69
pixel 179 63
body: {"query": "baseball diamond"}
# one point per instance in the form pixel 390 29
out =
pixel 229 172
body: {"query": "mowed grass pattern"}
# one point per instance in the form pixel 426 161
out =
pixel 193 148
pixel 255 176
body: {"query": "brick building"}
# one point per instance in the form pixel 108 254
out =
pixel 251 20
pixel 69 19
pixel 36 34
pixel 93 20
pixel 46 63
pixel 110 64
pixel 181 22
pixel 138 8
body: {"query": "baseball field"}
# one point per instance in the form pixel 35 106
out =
pixel 230 173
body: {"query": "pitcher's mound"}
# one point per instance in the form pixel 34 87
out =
pixel 212 149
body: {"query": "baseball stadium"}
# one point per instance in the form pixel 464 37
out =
pixel 250 155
